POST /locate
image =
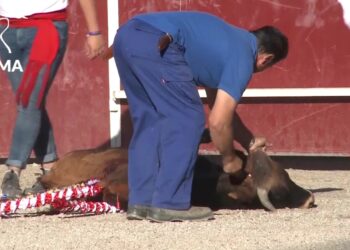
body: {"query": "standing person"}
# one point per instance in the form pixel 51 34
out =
pixel 161 58
pixel 37 37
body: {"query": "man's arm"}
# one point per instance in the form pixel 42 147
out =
pixel 221 130
pixel 95 43
pixel 242 133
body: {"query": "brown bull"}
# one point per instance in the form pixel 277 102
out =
pixel 267 182
pixel 110 166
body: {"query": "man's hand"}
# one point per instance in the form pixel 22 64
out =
pixel 107 53
pixel 232 164
pixel 257 143
pixel 94 46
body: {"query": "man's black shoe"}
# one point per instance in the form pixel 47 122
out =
pixel 192 214
pixel 137 212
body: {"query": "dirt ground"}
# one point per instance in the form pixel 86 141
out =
pixel 326 226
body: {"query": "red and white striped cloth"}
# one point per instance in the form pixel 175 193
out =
pixel 66 200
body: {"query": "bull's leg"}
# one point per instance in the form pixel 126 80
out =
pixel 264 199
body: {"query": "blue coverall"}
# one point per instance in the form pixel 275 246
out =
pixel 161 88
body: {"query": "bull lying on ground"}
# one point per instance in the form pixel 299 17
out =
pixel 267 184
pixel 264 184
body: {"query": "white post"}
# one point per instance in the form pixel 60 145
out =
pixel 114 81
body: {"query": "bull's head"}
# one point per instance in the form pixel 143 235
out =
pixel 273 185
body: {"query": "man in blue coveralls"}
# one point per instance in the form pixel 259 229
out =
pixel 162 58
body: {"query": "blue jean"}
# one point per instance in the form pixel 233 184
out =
pixel 167 115
pixel 32 130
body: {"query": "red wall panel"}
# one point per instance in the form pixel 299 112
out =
pixel 319 39
pixel 319 57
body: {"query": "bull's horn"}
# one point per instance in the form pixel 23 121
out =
pixel 264 199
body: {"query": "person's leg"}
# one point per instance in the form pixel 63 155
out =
pixel 170 85
pixel 45 147
pixel 143 148
pixel 29 121
pixel 33 129
pixel 180 123
pixel 176 98
pixel 17 53
pixel 10 183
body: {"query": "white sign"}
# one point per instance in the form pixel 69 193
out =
pixel 9 65
pixel 2 33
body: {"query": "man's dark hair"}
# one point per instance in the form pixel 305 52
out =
pixel 273 41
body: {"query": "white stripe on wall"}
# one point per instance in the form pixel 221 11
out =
pixel 276 92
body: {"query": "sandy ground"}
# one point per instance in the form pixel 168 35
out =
pixel 325 227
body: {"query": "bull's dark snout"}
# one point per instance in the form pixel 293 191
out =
pixel 301 198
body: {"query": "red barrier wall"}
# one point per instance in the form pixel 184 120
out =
pixel 319 57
